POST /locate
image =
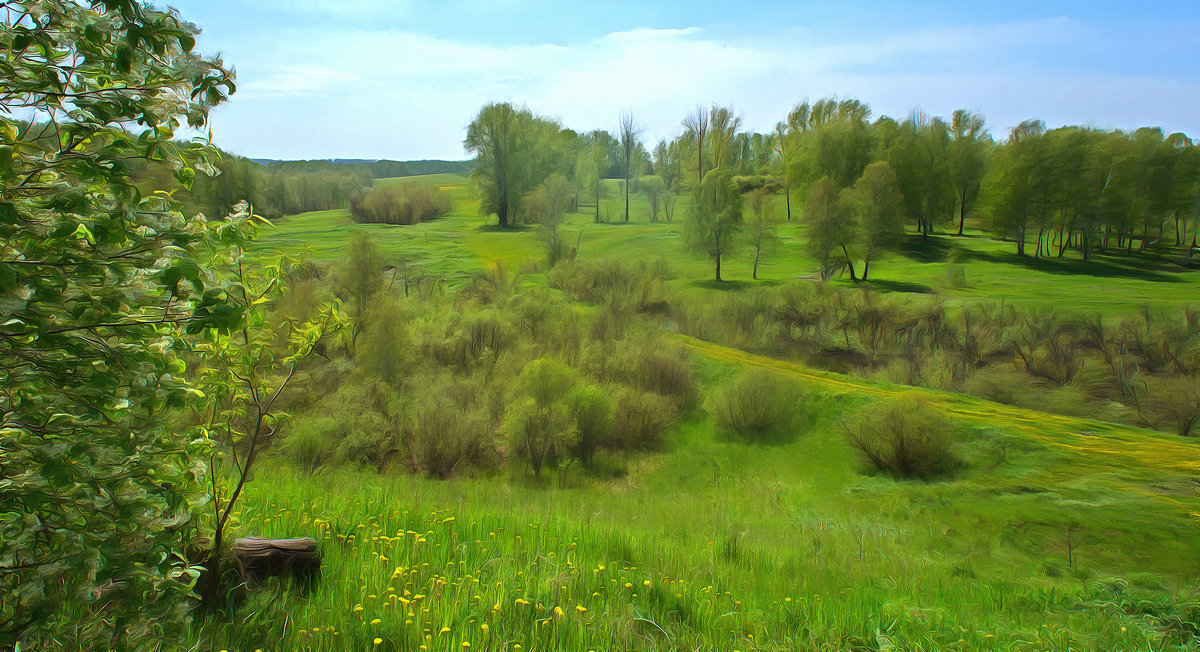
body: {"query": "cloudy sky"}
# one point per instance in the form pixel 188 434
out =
pixel 402 79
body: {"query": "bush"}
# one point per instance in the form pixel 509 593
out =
pixel 902 437
pixel 592 410
pixel 311 443
pixel 758 405
pixel 659 367
pixel 443 436
pixel 640 419
pixel 406 204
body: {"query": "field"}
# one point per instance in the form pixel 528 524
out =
pixel 1057 533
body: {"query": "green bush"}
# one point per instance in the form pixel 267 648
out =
pixel 592 410
pixel 657 366
pixel 758 405
pixel 902 437
pixel 310 444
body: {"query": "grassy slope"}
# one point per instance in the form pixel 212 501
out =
pixel 745 547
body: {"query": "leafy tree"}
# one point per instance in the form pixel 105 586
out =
pixel 876 207
pixel 921 160
pixel 515 152
pixel 724 125
pixel 969 143
pixel 98 282
pixel 762 229
pixel 548 204
pixel 540 426
pixel 716 218
pixel 655 189
pixel 829 229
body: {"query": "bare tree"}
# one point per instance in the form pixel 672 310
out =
pixel 697 126
pixel 628 133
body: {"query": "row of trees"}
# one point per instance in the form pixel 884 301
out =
pixel 860 181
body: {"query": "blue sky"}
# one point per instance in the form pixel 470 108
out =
pixel 402 79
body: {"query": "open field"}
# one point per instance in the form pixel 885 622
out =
pixel 461 243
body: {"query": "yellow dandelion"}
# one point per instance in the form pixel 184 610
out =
pixel 445 630
pixel 580 608
pixel 466 644
pixel 377 641
pixel 484 627
pixel 376 621
pixel 558 612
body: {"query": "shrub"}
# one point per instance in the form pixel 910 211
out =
pixel 758 405
pixel 902 437
pixel 443 436
pixel 659 367
pixel 311 443
pixel 406 204
pixel 592 410
pixel 640 419
pixel 540 435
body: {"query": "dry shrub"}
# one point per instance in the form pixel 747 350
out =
pixel 902 437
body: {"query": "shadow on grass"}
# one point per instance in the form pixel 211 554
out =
pixel 511 228
pixel 724 286
pixel 1104 267
pixel 931 250
pixel 896 286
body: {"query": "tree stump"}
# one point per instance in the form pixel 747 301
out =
pixel 298 559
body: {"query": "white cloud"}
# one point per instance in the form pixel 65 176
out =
pixel 381 93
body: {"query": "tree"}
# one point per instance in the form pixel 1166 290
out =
pixel 696 125
pixel 655 188
pixel 968 159
pixel 762 229
pixel 716 218
pixel 723 128
pixel 98 282
pixel 877 209
pixel 515 151
pixel 548 204
pixel 828 228
pixel 628 131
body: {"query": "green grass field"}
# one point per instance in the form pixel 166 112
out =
pixel 1057 534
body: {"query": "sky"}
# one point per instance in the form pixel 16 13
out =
pixel 403 79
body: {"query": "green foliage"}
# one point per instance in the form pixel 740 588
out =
pixel 903 437
pixel 640 418
pixel 759 405
pixel 97 284
pixel 515 152
pixel 716 217
pixel 443 436
pixel 400 204
pixel 592 409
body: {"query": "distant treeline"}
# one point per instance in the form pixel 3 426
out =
pixel 283 187
pixel 381 169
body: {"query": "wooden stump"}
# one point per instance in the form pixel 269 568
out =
pixel 298 559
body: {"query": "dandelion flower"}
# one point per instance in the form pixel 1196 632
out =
pixel 376 621
pixel 580 608
pixel 445 630
pixel 378 640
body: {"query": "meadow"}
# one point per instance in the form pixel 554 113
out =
pixel 1053 533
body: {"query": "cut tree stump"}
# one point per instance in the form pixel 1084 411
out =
pixel 298 559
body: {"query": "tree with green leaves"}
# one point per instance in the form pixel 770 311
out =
pixel 715 222
pixel 515 151
pixel 98 283
pixel 970 147
pixel 875 207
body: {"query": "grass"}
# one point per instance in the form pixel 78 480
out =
pixel 1057 533
pixel 796 548
pixel 462 243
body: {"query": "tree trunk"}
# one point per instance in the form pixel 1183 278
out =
pixel 718 268
pixel 787 200
pixel 757 252
pixel 849 264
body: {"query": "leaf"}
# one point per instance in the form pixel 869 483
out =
pixel 8 277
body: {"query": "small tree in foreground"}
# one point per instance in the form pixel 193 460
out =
pixel 97 282
pixel 903 437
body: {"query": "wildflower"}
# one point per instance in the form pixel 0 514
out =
pixel 558 612
pixel 646 583
pixel 580 608
pixel 466 645
pixel 445 630
pixel 378 640
pixel 484 627
pixel 376 621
